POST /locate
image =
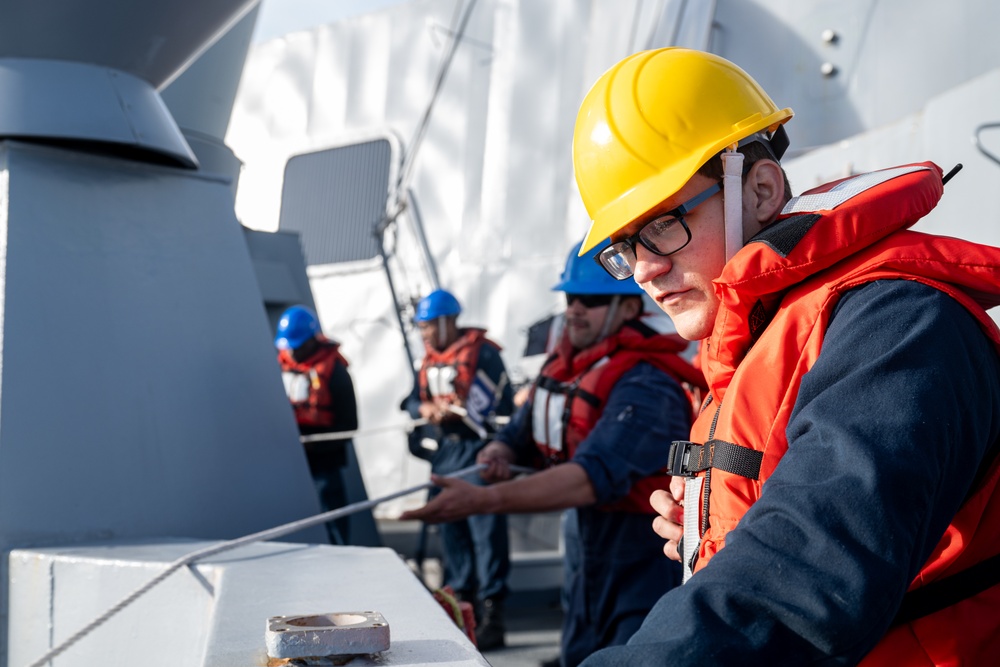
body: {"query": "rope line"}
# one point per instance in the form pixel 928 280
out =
pixel 269 534
pixel 407 427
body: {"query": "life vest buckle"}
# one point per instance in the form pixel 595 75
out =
pixel 680 456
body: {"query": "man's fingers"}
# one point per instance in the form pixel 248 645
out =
pixel 670 523
pixel 497 470
pixel 677 488
pixel 670 551
pixel 668 530
pixel 664 504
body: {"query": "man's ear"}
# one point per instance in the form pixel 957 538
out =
pixel 766 186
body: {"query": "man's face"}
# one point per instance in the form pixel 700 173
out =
pixel 306 350
pixel 438 333
pixel 681 283
pixel 584 325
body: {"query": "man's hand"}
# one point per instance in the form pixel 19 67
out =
pixel 432 412
pixel 497 456
pixel 457 500
pixel 670 524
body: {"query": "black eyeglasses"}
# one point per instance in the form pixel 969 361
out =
pixel 589 300
pixel 663 235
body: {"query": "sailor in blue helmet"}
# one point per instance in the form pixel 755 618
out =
pixel 598 424
pixel 461 385
pixel 321 392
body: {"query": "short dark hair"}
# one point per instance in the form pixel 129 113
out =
pixel 752 152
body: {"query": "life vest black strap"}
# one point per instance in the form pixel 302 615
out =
pixel 949 591
pixel 687 459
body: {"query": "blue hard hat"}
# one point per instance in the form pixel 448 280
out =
pixel 583 275
pixel 438 303
pixel 297 325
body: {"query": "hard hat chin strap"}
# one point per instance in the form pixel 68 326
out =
pixel 732 195
pixel 608 318
pixel 442 332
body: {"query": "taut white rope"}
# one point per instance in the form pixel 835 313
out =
pixel 263 535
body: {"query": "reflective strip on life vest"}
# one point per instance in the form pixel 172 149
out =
pixel 296 386
pixel 441 380
pixel 547 418
pixel 838 194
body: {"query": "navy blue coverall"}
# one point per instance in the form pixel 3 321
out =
pixel 622 571
pixel 890 428
pixel 476 549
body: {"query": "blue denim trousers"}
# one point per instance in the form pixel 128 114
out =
pixel 476 549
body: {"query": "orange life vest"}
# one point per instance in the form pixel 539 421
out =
pixel 777 296
pixel 448 374
pixel 307 383
pixel 573 387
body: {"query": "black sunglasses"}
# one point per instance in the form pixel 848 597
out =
pixel 590 300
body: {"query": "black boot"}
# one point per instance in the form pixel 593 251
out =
pixel 490 629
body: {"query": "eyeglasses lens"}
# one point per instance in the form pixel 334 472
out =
pixel 618 259
pixel 665 235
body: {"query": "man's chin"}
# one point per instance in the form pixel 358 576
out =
pixel 580 342
pixel 691 325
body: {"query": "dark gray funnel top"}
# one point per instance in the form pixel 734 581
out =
pixel 86 72
pixel 151 39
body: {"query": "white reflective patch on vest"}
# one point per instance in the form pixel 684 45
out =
pixel 692 528
pixel 482 394
pixel 838 194
pixel 441 380
pixel 296 386
pixel 547 418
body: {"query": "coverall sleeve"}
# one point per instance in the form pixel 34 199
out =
pixel 645 411
pixel 885 439
pixel 491 363
pixel 414 439
pixel 345 407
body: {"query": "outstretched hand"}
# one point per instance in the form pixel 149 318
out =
pixel 670 524
pixel 456 500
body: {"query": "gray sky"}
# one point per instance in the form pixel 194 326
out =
pixel 278 17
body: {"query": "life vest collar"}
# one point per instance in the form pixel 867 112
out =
pixel 467 337
pixel 855 213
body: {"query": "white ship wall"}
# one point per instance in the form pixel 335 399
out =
pixel 905 81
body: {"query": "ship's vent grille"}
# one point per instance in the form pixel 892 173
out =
pixel 334 198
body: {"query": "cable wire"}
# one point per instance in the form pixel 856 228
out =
pixel 404 173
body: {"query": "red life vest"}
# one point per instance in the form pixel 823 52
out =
pixel 573 387
pixel 447 375
pixel 777 297
pixel 307 383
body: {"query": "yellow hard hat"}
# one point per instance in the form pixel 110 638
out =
pixel 651 121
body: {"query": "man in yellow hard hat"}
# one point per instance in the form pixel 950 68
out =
pixel 840 499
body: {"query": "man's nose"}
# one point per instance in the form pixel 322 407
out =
pixel 649 265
